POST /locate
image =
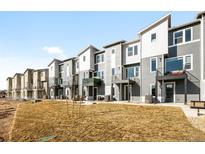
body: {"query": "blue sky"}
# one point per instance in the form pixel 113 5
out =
pixel 33 39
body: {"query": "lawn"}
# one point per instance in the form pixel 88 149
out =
pixel 7 110
pixel 102 122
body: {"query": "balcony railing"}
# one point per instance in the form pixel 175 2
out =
pixel 116 78
pixel 92 82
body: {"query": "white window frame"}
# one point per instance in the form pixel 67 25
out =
pixel 132 47
pixel 112 50
pixel 150 67
pixel 153 40
pixel 99 58
pixel 134 50
pixel 184 58
pixel 134 71
pixel 183 36
pixel 84 58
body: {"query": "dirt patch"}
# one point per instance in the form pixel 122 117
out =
pixel 102 122
pixel 7 110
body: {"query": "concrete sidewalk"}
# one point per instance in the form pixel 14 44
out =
pixel 185 108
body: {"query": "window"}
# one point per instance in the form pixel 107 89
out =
pixel 188 35
pixel 152 89
pixel 173 64
pixel 187 62
pixel 153 37
pixel 102 56
pixel 132 72
pixel 178 63
pixel 68 71
pixel 137 71
pixel 113 71
pixel 84 58
pixel 102 75
pixel 153 64
pixel 113 51
pixel 77 65
pixel 97 58
pixel 178 37
pixel 135 50
pixel 130 51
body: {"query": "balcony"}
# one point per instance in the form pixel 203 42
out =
pixel 28 86
pixel 116 78
pixel 92 82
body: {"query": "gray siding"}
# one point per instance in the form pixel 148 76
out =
pixel 204 44
pixel 147 76
pixel 190 48
pixel 196 33
pixel 118 62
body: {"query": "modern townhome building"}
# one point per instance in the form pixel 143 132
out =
pixel 172 60
pixel 162 64
pixel 87 81
pixel 9 87
pixel 32 84
pixel 16 86
pixel 40 84
pixel 63 79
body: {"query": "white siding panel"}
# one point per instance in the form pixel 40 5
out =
pixel 132 59
pixel 158 46
pixel 85 65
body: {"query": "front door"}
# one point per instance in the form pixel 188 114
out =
pixel 170 92
pixel 126 92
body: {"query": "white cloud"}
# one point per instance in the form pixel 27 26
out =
pixel 54 50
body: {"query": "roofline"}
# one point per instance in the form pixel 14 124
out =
pixel 184 25
pixel 53 61
pixel 43 69
pixel 27 70
pixel 89 46
pixel 156 22
pixel 99 52
pixel 132 41
pixel 69 59
pixel 17 74
pixel 9 78
pixel 200 14
pixel 114 43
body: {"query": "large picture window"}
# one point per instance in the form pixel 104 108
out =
pixel 178 63
pixel 132 72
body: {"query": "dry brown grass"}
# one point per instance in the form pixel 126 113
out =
pixel 7 110
pixel 103 122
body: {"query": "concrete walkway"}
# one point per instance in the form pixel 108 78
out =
pixel 185 108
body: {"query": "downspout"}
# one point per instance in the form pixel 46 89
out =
pixel 202 55
pixel 140 67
